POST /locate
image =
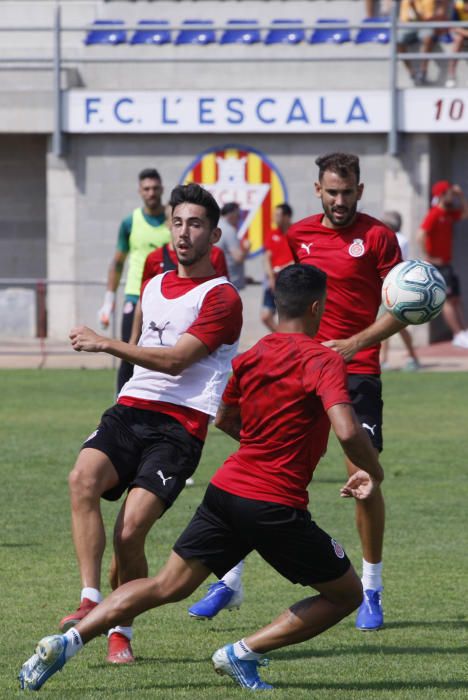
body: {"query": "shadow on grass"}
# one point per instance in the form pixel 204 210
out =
pixel 449 624
pixel 361 650
pixel 19 544
pixel 377 685
pixel 146 661
pixel 155 685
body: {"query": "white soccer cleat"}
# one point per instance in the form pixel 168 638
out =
pixel 48 659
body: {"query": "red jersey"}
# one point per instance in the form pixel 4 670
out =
pixel 438 226
pixel 276 243
pixel 283 385
pixel 356 258
pixel 218 323
pixel 155 262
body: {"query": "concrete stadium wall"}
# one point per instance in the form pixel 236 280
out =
pixel 23 206
pixel 60 216
pixel 96 186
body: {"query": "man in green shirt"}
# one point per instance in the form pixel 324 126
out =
pixel 139 234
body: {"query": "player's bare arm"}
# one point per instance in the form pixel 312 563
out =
pixel 358 448
pixel 171 360
pixel 269 269
pixel 113 281
pixel 115 270
pixel 136 325
pixel 382 328
pixel 463 201
pixel 228 419
pixel 421 240
pixel 240 252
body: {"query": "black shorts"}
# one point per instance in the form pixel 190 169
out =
pixel 365 391
pixel 226 528
pixel 451 280
pixel 150 450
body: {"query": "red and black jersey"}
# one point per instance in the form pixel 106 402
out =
pixel 356 258
pixel 164 259
pixel 283 386
pixel 218 323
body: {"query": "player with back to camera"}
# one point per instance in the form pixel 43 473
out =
pixel 140 233
pixel 280 401
pixel 356 251
pixel 150 442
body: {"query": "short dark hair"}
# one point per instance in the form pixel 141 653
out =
pixel 194 194
pixel 149 174
pixel 343 164
pixel 229 208
pixel 297 287
pixel 285 208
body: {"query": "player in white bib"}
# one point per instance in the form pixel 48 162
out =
pixel 151 440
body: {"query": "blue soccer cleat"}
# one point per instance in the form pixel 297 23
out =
pixel 370 613
pixel 48 659
pixel 219 597
pixel 244 673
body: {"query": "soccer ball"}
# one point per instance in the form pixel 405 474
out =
pixel 414 292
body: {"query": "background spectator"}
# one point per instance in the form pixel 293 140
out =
pixel 435 236
pixel 421 11
pixel 234 249
pixel 277 255
pixel 459 36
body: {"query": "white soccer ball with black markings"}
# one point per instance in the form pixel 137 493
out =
pixel 414 291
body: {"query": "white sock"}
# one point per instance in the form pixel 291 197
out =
pixel 244 652
pixel 371 576
pixel 91 594
pixel 233 578
pixel 126 631
pixel 75 643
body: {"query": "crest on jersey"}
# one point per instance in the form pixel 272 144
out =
pixel 339 551
pixel 244 175
pixel 356 249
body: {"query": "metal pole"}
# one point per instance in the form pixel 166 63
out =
pixel 393 132
pixel 57 137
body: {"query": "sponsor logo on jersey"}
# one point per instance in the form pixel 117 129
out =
pixel 339 551
pixel 244 175
pixel 307 247
pixel 356 249
pixel 158 329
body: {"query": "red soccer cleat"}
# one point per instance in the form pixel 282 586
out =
pixel 69 621
pixel 119 649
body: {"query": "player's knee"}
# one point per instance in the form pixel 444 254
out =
pixel 352 593
pixel 129 539
pixel 355 595
pixel 170 589
pixel 83 485
pixel 348 594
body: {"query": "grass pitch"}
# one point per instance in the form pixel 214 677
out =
pixel 421 653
